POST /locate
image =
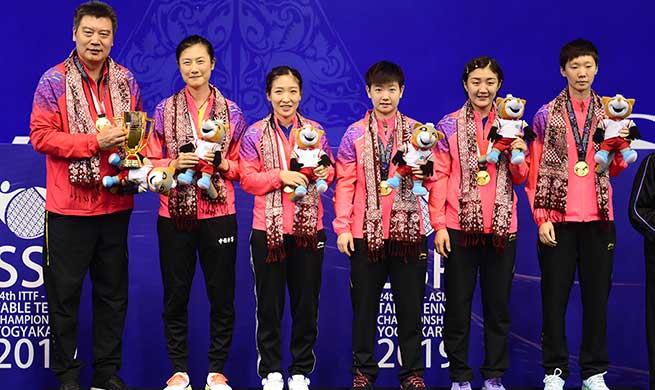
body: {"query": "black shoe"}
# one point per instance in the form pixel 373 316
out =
pixel 413 382
pixel 361 382
pixel 113 383
pixel 69 386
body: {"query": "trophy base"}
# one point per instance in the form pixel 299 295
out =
pixel 132 161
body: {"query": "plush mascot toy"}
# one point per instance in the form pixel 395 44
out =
pixel 212 135
pixel 507 127
pixel 413 153
pixel 607 135
pixel 307 154
pixel 161 180
pixel 138 180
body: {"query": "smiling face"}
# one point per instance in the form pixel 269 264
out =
pixel 481 87
pixel 93 38
pixel 580 73
pixel 196 66
pixel 285 95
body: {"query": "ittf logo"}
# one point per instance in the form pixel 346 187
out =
pixel 23 210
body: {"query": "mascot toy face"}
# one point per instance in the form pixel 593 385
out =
pixel 425 136
pixel 510 107
pixel 160 179
pixel 213 130
pixel 309 137
pixel 618 107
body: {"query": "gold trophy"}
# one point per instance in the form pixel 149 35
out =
pixel 137 131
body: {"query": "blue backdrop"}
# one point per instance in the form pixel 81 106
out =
pixel 332 44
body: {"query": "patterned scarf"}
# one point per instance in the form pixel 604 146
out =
pixel 553 178
pixel 470 204
pixel 404 227
pixel 305 220
pixel 85 172
pixel 178 130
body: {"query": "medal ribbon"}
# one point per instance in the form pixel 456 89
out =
pixel 581 143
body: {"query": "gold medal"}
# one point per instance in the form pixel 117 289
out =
pixel 384 188
pixel 581 168
pixel 483 178
pixel 102 122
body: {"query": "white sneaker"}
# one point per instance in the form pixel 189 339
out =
pixel 595 382
pixel 298 382
pixel 179 381
pixel 273 381
pixel 217 381
pixel 554 381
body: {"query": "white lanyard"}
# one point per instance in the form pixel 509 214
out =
pixel 280 147
pixel 99 106
pixel 193 128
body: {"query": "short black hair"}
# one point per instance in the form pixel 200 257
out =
pixel 282 71
pixel 481 63
pixel 192 40
pixel 384 72
pixel 577 48
pixel 98 9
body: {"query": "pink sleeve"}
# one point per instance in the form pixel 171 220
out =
pixel 439 190
pixel 253 179
pixel 155 149
pixel 325 145
pixel 533 160
pixel 344 192
pixel 47 132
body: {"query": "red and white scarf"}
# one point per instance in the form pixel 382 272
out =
pixel 470 204
pixel 405 237
pixel 178 131
pixel 85 172
pixel 553 178
pixel 305 220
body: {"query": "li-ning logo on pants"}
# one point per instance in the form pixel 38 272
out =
pixel 22 210
pixel 225 240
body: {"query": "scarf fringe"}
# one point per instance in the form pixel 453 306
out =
pixel 307 242
pixel 499 242
pixel 469 239
pixel 276 255
pixel 85 194
pixel 406 250
pixel 375 255
pixel 185 223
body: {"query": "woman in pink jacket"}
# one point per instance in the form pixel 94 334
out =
pixel 476 226
pixel 191 223
pixel 287 240
pixel 381 229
